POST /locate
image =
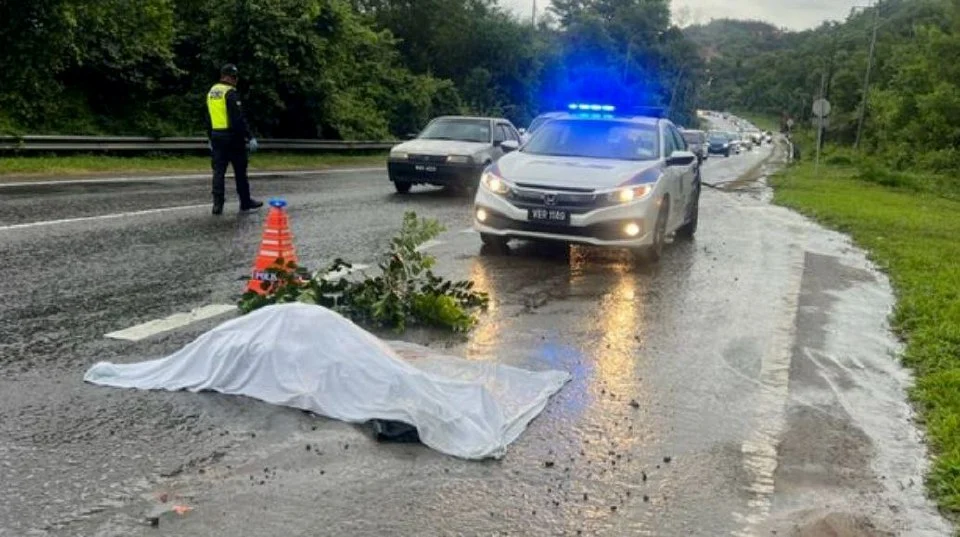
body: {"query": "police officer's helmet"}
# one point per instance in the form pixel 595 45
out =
pixel 229 70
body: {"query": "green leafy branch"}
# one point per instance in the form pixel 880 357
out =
pixel 405 292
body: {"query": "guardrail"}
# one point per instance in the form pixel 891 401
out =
pixel 76 144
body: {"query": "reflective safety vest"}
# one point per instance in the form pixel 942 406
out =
pixel 217 106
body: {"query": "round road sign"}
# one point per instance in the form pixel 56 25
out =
pixel 821 107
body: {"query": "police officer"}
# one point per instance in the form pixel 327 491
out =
pixel 230 138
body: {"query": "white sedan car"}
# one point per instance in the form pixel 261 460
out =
pixel 602 180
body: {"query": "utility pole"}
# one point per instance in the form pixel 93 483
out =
pixel 866 77
pixel 534 13
pixel 823 82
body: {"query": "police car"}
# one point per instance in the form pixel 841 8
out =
pixel 593 176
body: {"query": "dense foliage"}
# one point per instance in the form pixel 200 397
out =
pixel 405 292
pixel 914 96
pixel 327 68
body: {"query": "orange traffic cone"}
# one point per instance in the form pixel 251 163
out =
pixel 276 246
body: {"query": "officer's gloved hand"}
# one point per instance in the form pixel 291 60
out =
pixel 253 145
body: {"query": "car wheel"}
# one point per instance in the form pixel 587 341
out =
pixel 688 229
pixel 402 186
pixel 654 252
pixel 494 242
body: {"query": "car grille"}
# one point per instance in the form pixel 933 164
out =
pixel 575 201
pixel 431 159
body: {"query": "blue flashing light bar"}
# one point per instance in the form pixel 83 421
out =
pixel 585 107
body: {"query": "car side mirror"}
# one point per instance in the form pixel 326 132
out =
pixel 510 145
pixel 411 136
pixel 497 143
pixel 681 158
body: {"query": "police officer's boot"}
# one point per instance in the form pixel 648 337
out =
pixel 217 206
pixel 251 205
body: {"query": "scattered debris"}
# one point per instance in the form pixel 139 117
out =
pixel 163 513
pixel 646 498
pixel 634 403
pixel 548 464
pixel 182 509
pixel 667 459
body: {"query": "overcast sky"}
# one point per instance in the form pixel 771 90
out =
pixel 793 14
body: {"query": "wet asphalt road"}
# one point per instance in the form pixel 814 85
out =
pixel 768 396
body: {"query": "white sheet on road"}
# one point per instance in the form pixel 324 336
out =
pixel 311 358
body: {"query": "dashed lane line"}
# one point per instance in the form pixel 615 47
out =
pixel 62 221
pixel 172 322
pixel 181 320
pixel 185 177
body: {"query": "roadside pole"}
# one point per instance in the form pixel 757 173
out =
pixel 866 77
pixel 818 113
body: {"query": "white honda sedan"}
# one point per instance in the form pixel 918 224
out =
pixel 602 180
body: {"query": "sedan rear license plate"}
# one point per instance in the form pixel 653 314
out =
pixel 550 216
pixel 423 168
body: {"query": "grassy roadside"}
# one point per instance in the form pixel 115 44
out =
pixel 913 233
pixel 79 165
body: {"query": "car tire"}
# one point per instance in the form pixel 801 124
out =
pixel 653 253
pixel 403 187
pixel 689 229
pixel 495 242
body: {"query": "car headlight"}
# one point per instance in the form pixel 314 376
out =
pixel 399 155
pixel 494 183
pixel 458 159
pixel 633 193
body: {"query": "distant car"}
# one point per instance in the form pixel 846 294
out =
pixel 615 180
pixel 451 151
pixel 736 144
pixel 696 143
pixel 719 143
pixel 768 137
pixel 537 123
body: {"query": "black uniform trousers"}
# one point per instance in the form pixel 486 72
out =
pixel 230 150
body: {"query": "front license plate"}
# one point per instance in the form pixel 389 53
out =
pixel 550 216
pixel 423 168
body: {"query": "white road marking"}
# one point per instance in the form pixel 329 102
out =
pixel 185 177
pixel 335 274
pixel 468 230
pixel 429 244
pixel 760 456
pixel 102 217
pixel 177 320
pixel 180 320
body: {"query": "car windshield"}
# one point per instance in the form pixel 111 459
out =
pixel 718 138
pixel 596 139
pixel 465 130
pixel 537 123
pixel 692 137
